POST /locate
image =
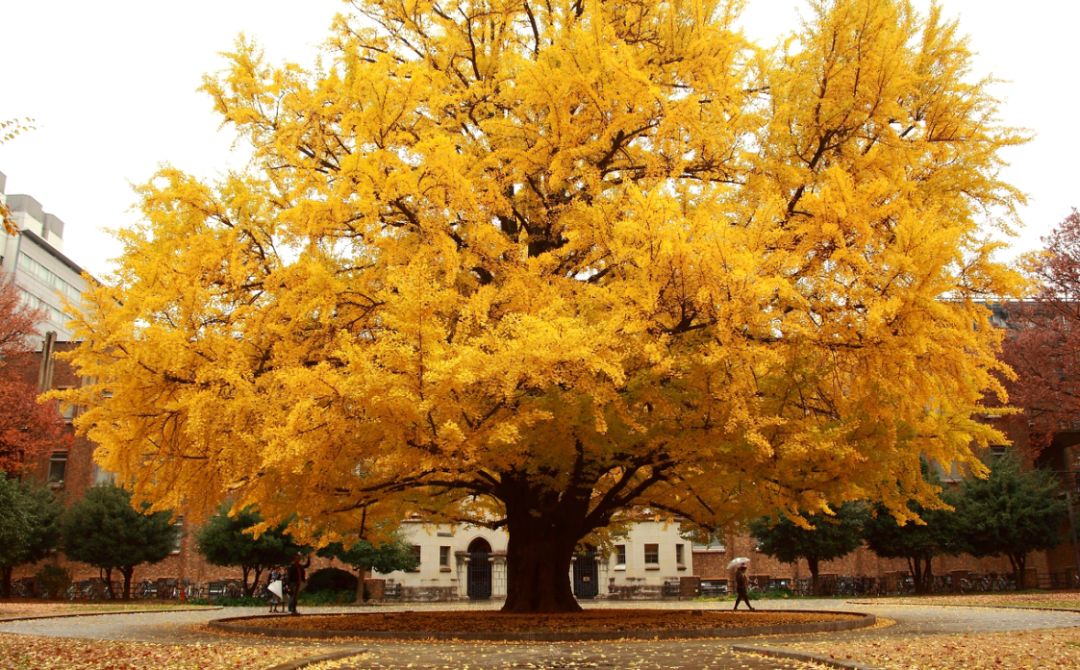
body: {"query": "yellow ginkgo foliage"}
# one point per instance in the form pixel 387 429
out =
pixel 539 263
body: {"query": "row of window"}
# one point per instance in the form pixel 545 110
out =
pixel 58 471
pixel 51 313
pixel 47 276
pixel 444 556
pixel 651 554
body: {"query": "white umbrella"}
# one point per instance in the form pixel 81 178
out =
pixel 275 587
pixel 738 562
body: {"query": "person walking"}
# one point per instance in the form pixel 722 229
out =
pixel 296 576
pixel 742 586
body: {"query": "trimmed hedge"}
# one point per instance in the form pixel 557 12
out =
pixel 330 579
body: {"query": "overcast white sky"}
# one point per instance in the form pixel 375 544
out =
pixel 112 87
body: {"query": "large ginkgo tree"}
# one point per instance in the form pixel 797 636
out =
pixel 535 263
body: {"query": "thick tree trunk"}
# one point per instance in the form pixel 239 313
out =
pixel 538 573
pixel 5 580
pixel 548 512
pixel 542 542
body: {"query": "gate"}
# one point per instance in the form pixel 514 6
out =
pixel 586 575
pixel 479 585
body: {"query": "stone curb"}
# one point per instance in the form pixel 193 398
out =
pixel 776 652
pixel 305 662
pixel 70 615
pixel 854 621
pixel 990 607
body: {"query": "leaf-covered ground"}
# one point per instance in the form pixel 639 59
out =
pixel 1024 650
pixel 1027 650
pixel 588 621
pixel 26 652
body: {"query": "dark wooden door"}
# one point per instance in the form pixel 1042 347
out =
pixel 586 575
pixel 479 570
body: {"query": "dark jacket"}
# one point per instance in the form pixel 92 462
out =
pixel 741 581
pixel 296 573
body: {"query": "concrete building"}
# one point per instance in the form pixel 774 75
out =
pixel 35 257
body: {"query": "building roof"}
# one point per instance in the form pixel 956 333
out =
pixel 54 252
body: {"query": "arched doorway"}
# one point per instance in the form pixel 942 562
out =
pixel 479 569
pixel 586 574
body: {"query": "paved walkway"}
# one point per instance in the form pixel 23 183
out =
pixel 912 620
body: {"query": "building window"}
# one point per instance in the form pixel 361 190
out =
pixel 103 477
pixel 444 557
pixel 680 555
pixel 179 539
pixel 652 554
pixel 67 410
pixel 51 313
pixel 620 554
pixel 709 541
pixel 416 557
pixel 57 468
pixel 47 276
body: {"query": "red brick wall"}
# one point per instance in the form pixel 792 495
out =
pixel 860 563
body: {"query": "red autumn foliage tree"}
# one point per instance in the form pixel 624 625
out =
pixel 1044 347
pixel 27 428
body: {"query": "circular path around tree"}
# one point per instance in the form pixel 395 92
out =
pixel 717 654
pixel 593 624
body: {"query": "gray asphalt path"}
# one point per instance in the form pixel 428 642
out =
pixel 912 620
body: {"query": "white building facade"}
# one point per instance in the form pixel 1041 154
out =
pixel 35 257
pixel 458 562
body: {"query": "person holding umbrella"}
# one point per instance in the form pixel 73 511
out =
pixel 742 582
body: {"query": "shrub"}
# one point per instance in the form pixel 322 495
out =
pixel 331 579
pixel 53 581
pixel 327 597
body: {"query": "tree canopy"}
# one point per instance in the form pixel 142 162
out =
pixel 228 539
pixel 363 555
pixel 1012 512
pixel 936 533
pixel 826 538
pixel 1045 334
pixel 534 264
pixel 29 527
pixel 104 530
